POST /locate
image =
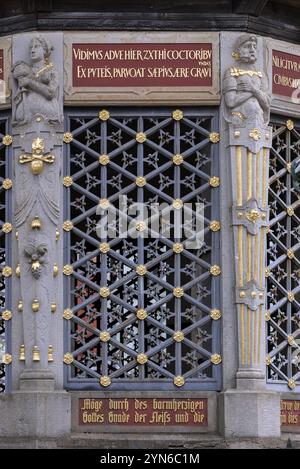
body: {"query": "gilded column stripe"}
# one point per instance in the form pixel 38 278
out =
pixel 242 333
pixel 260 310
pixel 249 174
pixel 262 257
pixel 240 255
pixel 256 239
pixel 249 335
pixel 249 256
pixel 254 336
pixel 264 178
pixel 239 175
pixel 258 179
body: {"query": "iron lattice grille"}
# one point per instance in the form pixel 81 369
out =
pixel 153 336
pixel 283 260
pixel 5 253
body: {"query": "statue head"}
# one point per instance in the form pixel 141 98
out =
pixel 40 49
pixel 245 49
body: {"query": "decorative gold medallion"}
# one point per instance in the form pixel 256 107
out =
pixel 6 315
pixel 179 381
pixel 267 315
pixel 215 270
pixel 104 115
pixel 253 215
pixel 291 383
pixel 7 140
pixel 141 137
pixel 140 181
pixel 215 314
pixel 289 167
pixel 178 292
pixel 289 124
pixel 68 358
pixel 267 272
pixel 141 314
pixel 140 226
pixel 104 292
pixel 104 336
pixel 214 181
pixel 104 160
pixel 36 223
pixel 22 356
pixel 178 336
pixel 290 253
pixel 68 314
pixel 7 271
pixel 55 269
pixel 104 248
pixel 177 159
pixel 7 359
pixel 37 158
pixel 18 271
pixel 177 115
pixel 67 181
pixel 291 340
pixel 68 269
pixel 104 203
pixel 20 306
pixel 53 307
pixel 68 137
pixel 35 306
pixel 214 137
pixel 215 225
pixel 177 248
pixel 255 134
pixel 242 294
pixel 7 184
pixel 67 225
pixel 141 269
pixel 216 359
pixel 268 360
pixel 36 354
pixel 290 296
pixel 290 211
pixel 177 204
pixel 105 381
pixel 142 358
pixel 50 354
pixel 6 227
pixel 253 294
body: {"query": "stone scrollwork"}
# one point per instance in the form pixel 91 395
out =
pixel 37 85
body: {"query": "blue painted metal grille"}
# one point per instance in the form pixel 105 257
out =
pixel 283 259
pixel 129 336
pixel 5 254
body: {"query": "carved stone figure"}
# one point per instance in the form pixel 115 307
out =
pixel 295 171
pixel 244 87
pixel 36 256
pixel 38 86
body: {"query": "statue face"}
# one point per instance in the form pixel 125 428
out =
pixel 36 51
pixel 248 52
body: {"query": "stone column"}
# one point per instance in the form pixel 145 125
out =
pixel 41 406
pixel 249 409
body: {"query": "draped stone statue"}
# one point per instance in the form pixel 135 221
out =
pixel 38 85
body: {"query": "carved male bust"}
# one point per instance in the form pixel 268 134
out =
pixel 38 87
pixel 244 87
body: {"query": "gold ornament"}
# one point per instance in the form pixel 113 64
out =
pixel 7 184
pixel 289 167
pixel 36 354
pixel 290 211
pixel 255 134
pixel 7 140
pixel 253 294
pixel 289 124
pixel 215 314
pixel 104 115
pixel 178 292
pixel 179 381
pixel 177 159
pixel 142 358
pixel 178 336
pixel 290 296
pixel 140 181
pixel 215 225
pixel 104 160
pixel 141 137
pixel 214 137
pixel 291 383
pixel 7 359
pixel 35 306
pixel 214 181
pixel 141 269
pixel 237 134
pixel 141 314
pixel 104 336
pixel 177 248
pixel 67 181
pixel 104 292
pixel 215 270
pixel 242 294
pixel 6 315
pixel 236 55
pixel 268 360
pixel 55 269
pixel 177 204
pixel 50 354
pixel 53 307
pixel 68 358
pixel 68 269
pixel 22 356
pixel 177 115
pixel 105 381
pixel 67 225
pixel 36 223
pixel 57 234
pixel 7 271
pixel 20 306
pixel 6 227
pixel 253 215
pixel 68 137
pixel 18 271
pixel 140 226
pixel 291 340
pixel 104 248
pixel 216 359
pixel 68 314
pixel 104 203
pixel 37 157
pixel 290 253
pixel 267 316
pixel 267 272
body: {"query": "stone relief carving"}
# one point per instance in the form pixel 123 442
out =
pixel 295 171
pixel 37 85
pixel 245 94
pixel 36 256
